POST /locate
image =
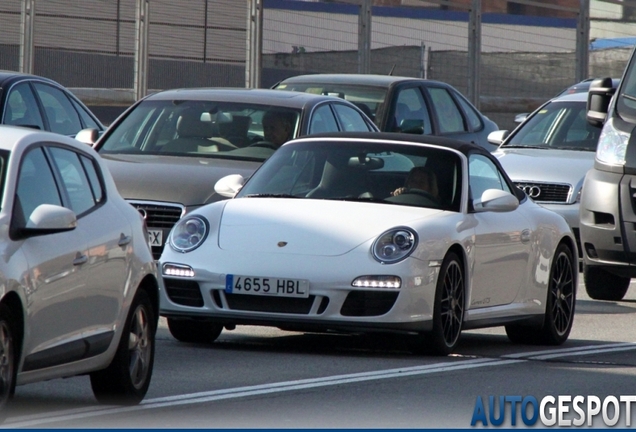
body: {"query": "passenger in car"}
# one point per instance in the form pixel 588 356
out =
pixel 419 179
pixel 278 127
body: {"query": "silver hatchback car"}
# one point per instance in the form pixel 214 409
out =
pixel 78 284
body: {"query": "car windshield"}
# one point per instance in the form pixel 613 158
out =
pixel 384 173
pixel 558 125
pixel 196 128
pixel 369 99
pixel 626 103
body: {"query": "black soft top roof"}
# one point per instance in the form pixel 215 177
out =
pixel 461 146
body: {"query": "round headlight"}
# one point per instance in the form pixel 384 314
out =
pixel 394 245
pixel 188 234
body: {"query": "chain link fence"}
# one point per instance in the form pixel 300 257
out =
pixel 506 56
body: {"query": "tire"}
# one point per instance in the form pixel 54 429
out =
pixel 448 311
pixel 125 381
pixel 603 285
pixel 8 369
pixel 191 331
pixel 560 303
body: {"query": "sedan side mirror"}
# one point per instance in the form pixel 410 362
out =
pixel 497 137
pixel 229 186
pixel 495 200
pixel 412 126
pixel 88 136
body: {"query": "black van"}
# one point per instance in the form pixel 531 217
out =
pixel 608 200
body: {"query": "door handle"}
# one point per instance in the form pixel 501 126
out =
pixel 124 240
pixel 80 259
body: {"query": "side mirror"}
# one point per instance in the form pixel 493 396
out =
pixel 412 126
pixel 495 200
pixel 599 97
pixel 47 219
pixel 519 118
pixel 497 137
pixel 229 186
pixel 88 136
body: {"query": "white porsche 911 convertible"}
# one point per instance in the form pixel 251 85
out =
pixel 369 232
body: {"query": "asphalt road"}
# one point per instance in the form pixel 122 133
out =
pixel 265 378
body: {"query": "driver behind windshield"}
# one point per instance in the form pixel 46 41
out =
pixel 278 127
pixel 419 178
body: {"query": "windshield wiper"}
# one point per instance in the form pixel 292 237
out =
pixel 574 148
pixel 630 97
pixel 270 195
pixel 527 146
pixel 359 199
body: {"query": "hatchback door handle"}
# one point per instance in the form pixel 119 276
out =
pixel 80 259
pixel 124 240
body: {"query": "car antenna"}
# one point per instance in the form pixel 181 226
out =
pixel 392 69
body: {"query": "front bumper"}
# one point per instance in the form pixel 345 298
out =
pixel 608 222
pixel 333 303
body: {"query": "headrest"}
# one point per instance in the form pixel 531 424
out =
pixel 190 125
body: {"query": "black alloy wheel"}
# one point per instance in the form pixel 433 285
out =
pixel 448 312
pixel 560 297
pixel 560 303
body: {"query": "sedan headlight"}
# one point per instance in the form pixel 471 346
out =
pixel 394 245
pixel 188 234
pixel 612 145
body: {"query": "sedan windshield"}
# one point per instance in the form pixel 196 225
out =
pixel 558 125
pixel 413 175
pixel 197 128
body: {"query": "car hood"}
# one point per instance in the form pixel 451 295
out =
pixel 553 166
pixel 308 227
pixel 186 180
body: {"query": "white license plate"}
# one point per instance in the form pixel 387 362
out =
pixel 155 237
pixel 235 284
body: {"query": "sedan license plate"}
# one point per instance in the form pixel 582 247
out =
pixel 155 237
pixel 235 284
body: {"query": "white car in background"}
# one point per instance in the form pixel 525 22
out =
pixel 319 239
pixel 78 284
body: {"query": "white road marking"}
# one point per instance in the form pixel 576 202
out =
pixel 564 352
pixel 238 392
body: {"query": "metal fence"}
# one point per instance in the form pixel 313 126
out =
pixel 502 59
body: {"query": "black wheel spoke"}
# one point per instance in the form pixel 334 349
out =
pixel 562 294
pixel 451 304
